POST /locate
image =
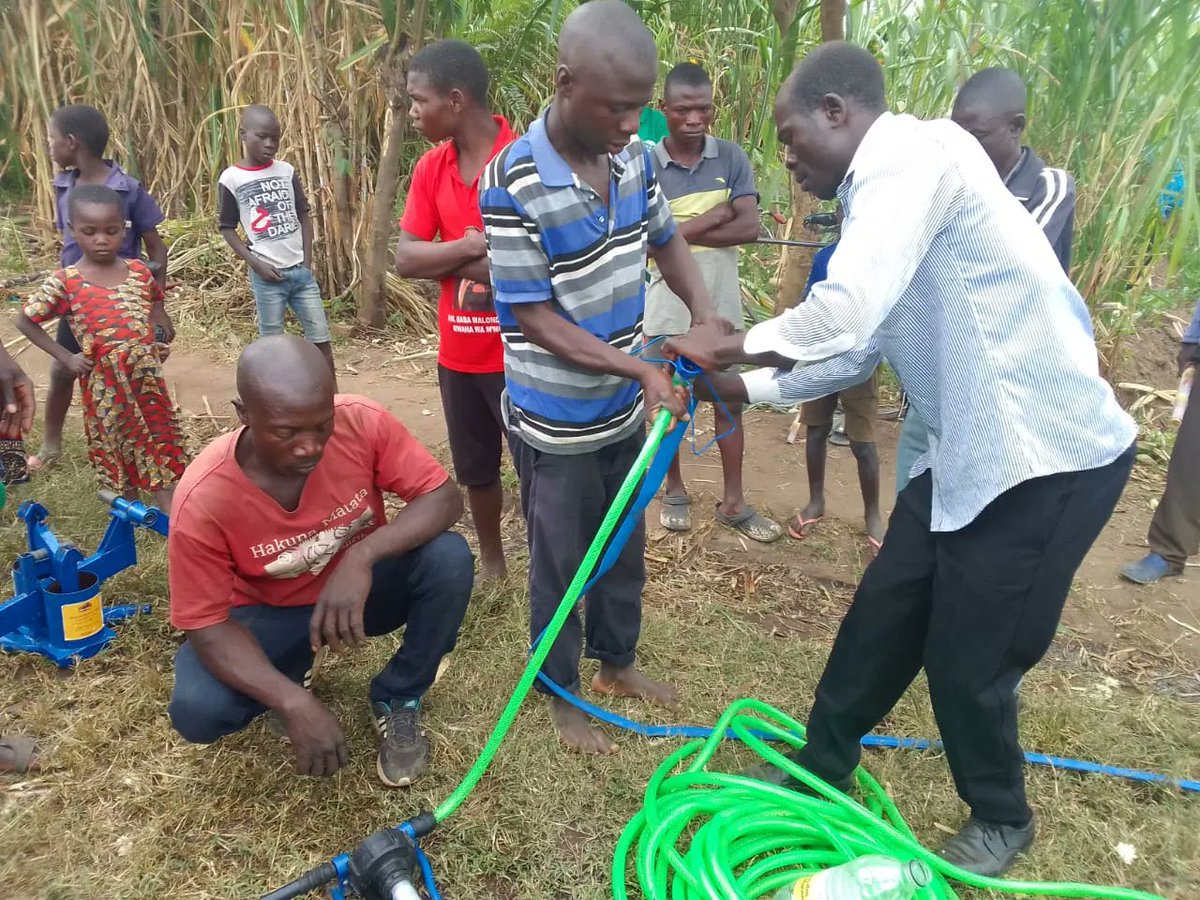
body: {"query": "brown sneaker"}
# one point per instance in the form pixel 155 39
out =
pixel 403 747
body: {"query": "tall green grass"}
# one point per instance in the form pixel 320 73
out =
pixel 1113 99
pixel 1112 88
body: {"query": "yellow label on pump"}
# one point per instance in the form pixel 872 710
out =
pixel 82 620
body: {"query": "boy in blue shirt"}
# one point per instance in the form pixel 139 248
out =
pixel 861 405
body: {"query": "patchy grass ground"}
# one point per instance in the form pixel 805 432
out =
pixel 126 809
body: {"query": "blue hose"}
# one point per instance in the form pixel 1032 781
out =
pixel 422 861
pixel 427 873
pixel 878 741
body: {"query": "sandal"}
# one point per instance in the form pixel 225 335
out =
pixel 875 545
pixel 801 532
pixel 675 513
pixel 753 525
pixel 18 754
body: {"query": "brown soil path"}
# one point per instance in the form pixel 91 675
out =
pixel 1154 632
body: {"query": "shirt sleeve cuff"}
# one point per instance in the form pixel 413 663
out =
pixel 515 297
pixel 762 386
pixel 204 620
pixel 663 236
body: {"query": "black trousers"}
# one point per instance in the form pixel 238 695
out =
pixel 564 499
pixel 977 608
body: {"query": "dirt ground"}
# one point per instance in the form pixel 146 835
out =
pixel 1150 633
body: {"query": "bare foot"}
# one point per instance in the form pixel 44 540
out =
pixel 576 731
pixel 46 457
pixel 629 682
pixel 493 569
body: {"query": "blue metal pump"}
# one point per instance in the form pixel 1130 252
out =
pixel 56 609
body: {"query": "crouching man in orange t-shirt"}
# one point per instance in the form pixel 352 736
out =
pixel 279 545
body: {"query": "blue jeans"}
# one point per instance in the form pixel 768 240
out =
pixel 426 589
pixel 300 291
pixel 914 443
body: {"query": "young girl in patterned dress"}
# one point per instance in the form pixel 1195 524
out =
pixel 133 437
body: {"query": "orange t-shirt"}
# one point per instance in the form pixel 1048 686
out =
pixel 231 544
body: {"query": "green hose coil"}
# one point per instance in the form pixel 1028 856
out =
pixel 708 835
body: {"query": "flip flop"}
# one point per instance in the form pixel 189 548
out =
pixel 875 546
pixel 675 513
pixel 18 754
pixel 800 534
pixel 750 523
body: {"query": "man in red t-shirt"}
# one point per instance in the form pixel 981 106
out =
pixel 280 544
pixel 448 83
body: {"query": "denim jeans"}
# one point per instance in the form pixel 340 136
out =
pixel 300 291
pixel 426 590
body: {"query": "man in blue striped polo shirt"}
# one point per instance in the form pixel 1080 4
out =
pixel 568 212
pixel 941 271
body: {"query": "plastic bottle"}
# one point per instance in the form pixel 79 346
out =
pixel 1185 391
pixel 865 878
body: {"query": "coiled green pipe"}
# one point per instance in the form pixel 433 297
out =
pixel 708 835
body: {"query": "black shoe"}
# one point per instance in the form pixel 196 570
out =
pixel 403 749
pixel 770 774
pixel 986 849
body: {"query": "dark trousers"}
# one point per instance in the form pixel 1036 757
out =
pixel 426 589
pixel 564 499
pixel 977 608
pixel 1175 528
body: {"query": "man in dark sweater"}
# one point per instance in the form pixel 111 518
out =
pixel 991 106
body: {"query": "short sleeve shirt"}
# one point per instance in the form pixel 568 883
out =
pixel 441 204
pixel 552 239
pixel 268 201
pixel 231 544
pixel 722 175
pixel 141 212
pixel 820 267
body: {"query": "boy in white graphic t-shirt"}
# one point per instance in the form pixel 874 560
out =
pixel 264 196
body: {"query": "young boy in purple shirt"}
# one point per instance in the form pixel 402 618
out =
pixel 78 138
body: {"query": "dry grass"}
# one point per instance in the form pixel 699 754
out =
pixel 125 809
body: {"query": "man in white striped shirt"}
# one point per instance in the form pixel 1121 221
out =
pixel 942 272
pixel 991 107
